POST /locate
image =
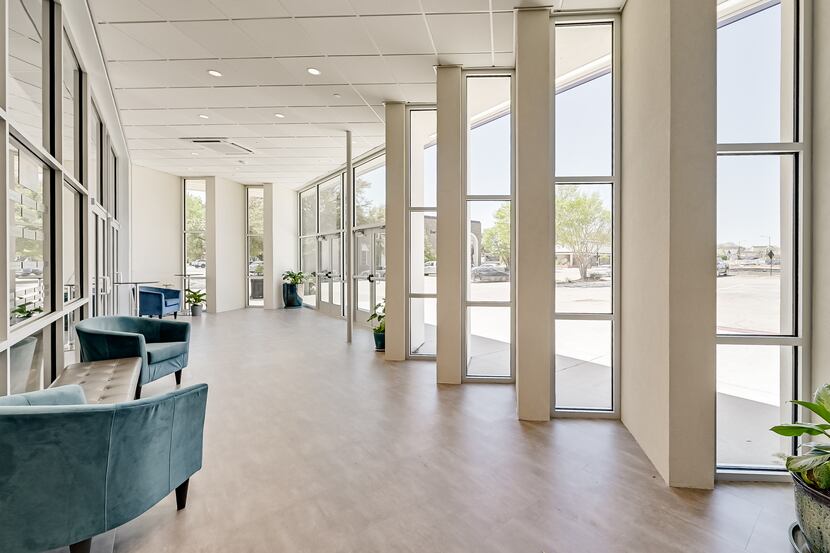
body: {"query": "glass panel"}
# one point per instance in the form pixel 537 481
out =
pixel 584 100
pixel 308 212
pixel 308 264
pixel 488 249
pixel 488 341
pixel 363 254
pixel 423 323
pixel 30 255
pixel 71 243
pixel 94 178
pixel 583 248
pixel 380 267
pixel 71 86
pixel 26 63
pixel 27 359
pixel 583 365
pixel 256 214
pixel 70 339
pixel 754 384
pixel 756 72
pixel 423 167
pixel 256 268
pixel 195 216
pixel 370 193
pixel 755 240
pixel 256 292
pixel 112 184
pixel 364 300
pixel 331 205
pixel 423 245
pixel 489 140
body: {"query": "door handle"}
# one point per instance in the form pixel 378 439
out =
pixel 370 278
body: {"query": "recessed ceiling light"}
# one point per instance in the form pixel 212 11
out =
pixel 194 153
pixel 203 116
pixel 336 95
pixel 279 115
pixel 214 73
pixel 313 71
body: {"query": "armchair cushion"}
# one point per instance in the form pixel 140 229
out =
pixel 63 395
pixel 162 351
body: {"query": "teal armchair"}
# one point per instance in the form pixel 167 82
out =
pixel 163 346
pixel 71 471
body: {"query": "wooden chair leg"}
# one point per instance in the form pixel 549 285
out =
pixel 175 315
pixel 159 316
pixel 181 495
pixel 138 392
pixel 179 376
pixel 81 547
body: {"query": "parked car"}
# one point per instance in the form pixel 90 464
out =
pixel 256 267
pixel 490 273
pixel 722 268
pixel 600 271
pixel 199 264
pixel 430 268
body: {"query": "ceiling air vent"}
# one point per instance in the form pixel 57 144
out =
pixel 220 145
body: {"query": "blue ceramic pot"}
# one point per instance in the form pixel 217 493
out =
pixel 290 296
pixel 380 341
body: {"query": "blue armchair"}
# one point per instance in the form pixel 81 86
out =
pixel 163 346
pixel 71 471
pixel 158 302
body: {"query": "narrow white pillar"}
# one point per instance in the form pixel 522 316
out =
pixel 348 219
pixel 450 229
pixel 534 214
pixel 668 235
pixel 395 231
pixel 279 242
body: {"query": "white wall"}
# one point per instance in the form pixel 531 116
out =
pixel 156 200
pixel 280 241
pixel 668 236
pixel 226 267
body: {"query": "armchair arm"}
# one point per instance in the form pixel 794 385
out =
pixel 172 293
pixel 174 331
pixel 100 345
pixel 150 301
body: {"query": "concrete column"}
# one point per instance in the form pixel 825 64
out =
pixel 225 237
pixel 668 235
pixel 395 232
pixel 280 240
pixel 451 226
pixel 534 213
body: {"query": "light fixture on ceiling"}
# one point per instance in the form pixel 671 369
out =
pixel 194 153
pixel 214 73
pixel 314 71
pixel 203 116
pixel 336 95
pixel 279 116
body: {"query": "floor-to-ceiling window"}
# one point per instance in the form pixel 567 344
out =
pixel 586 192
pixel 422 261
pixel 308 244
pixel 255 230
pixel 195 221
pixel 369 243
pixel 761 177
pixel 489 222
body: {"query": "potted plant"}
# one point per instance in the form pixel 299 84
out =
pixel 379 328
pixel 291 279
pixel 23 311
pixel 811 472
pixel 195 298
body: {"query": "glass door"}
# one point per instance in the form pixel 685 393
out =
pixel 101 281
pixel 330 275
pixel 369 271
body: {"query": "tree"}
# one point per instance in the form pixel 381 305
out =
pixel 583 225
pixel 195 214
pixel 495 240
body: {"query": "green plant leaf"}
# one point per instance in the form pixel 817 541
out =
pixel 802 463
pixel 816 408
pixel 821 476
pixel 800 428
pixel 822 396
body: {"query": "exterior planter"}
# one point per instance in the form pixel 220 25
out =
pixel 196 310
pixel 290 296
pixel 380 341
pixel 812 509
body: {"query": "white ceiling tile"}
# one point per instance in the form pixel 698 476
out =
pixel 508 5
pixel 466 60
pixel 399 34
pixel 193 73
pixel 234 9
pixel 305 8
pixel 280 37
pixel 363 69
pixel 118 46
pixel 592 4
pixel 296 71
pixel 376 7
pixel 162 38
pixel 423 93
pixel 184 9
pixel 224 39
pixel 503 32
pixel 339 35
pixel 467 33
pixel 121 10
pixel 174 117
pixel 412 69
pixel 379 93
pixel 455 6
